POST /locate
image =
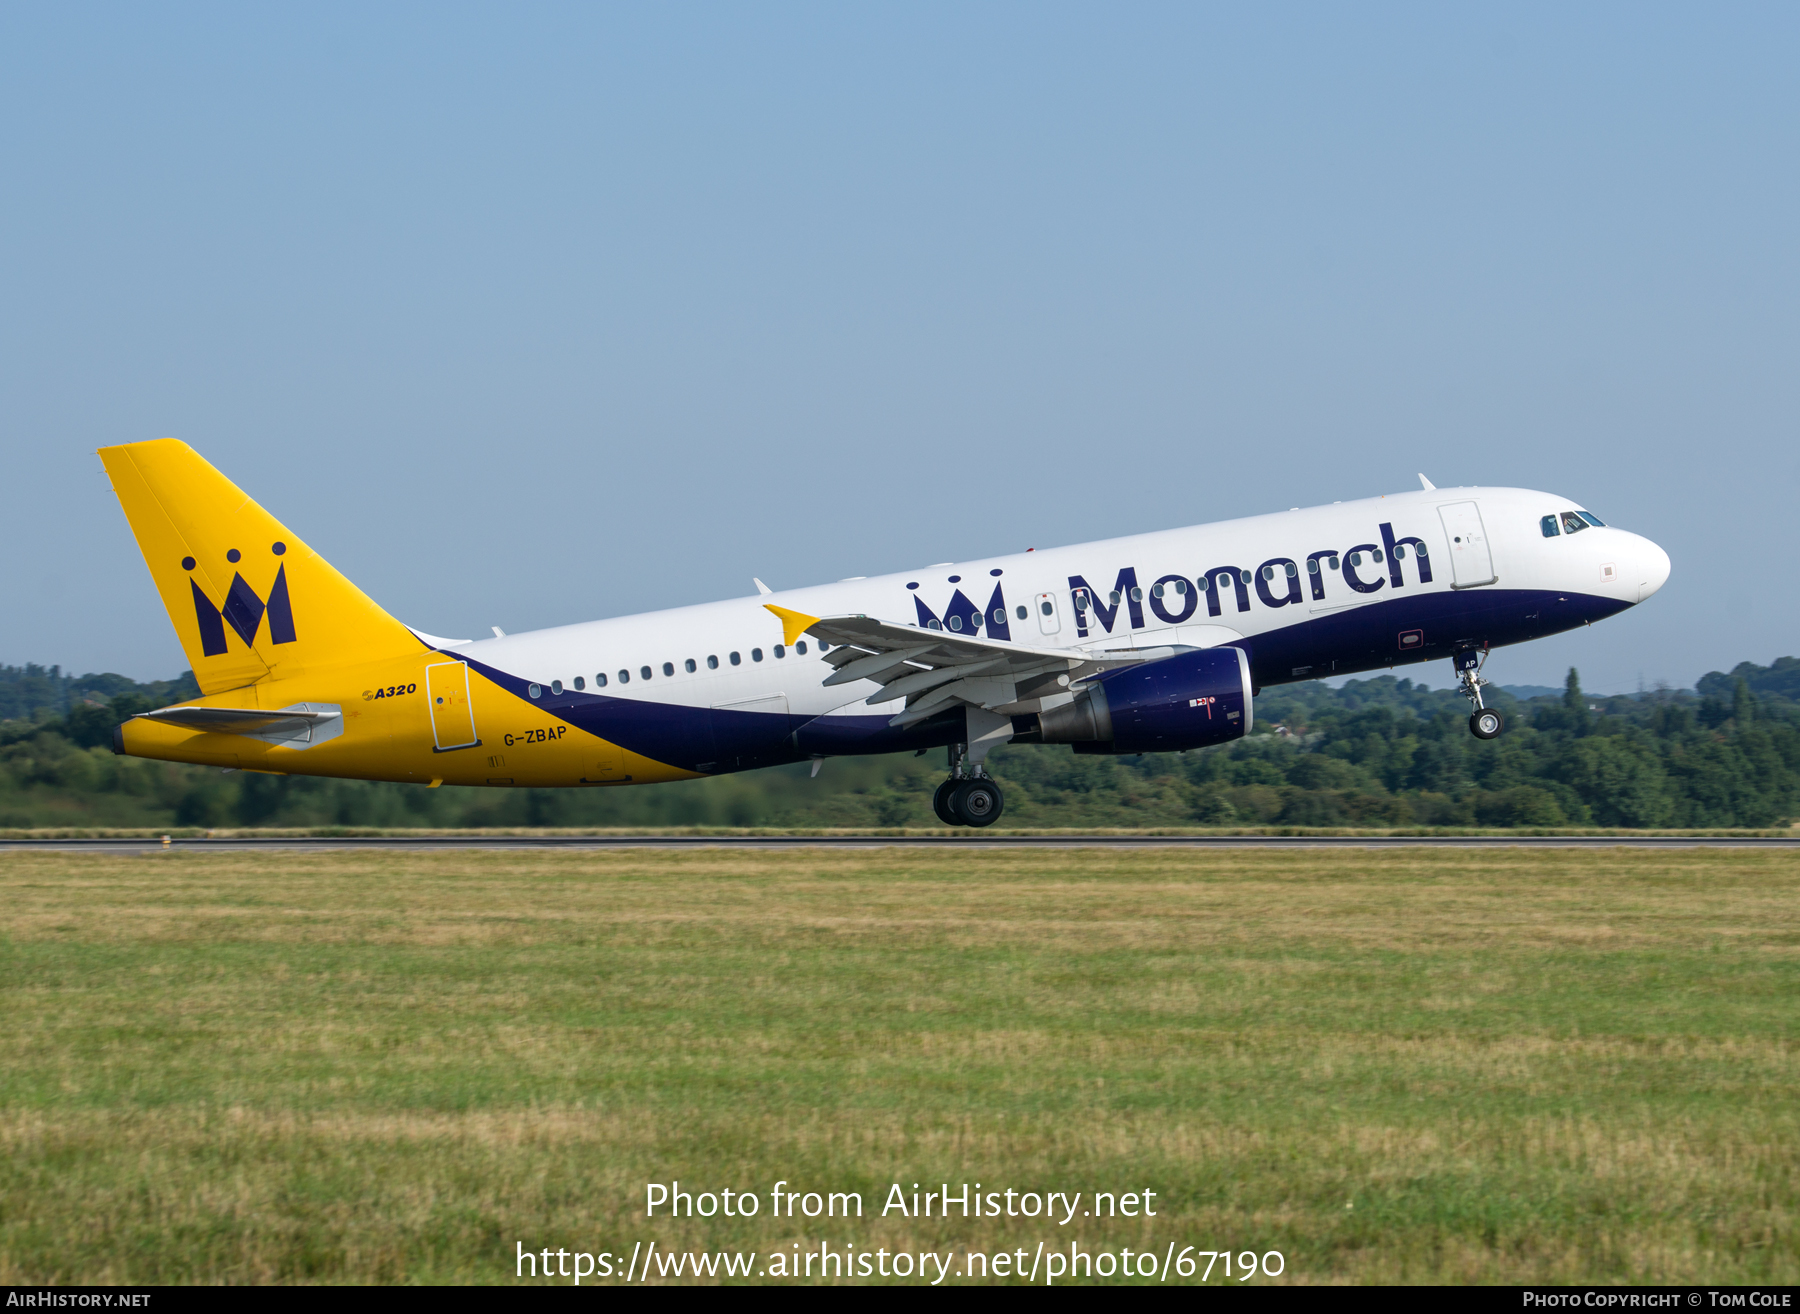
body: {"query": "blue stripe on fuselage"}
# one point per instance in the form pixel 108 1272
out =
pixel 1367 638
pixel 717 740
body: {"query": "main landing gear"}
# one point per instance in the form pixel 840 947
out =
pixel 1484 722
pixel 969 797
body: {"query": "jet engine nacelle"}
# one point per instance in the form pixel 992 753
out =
pixel 1189 700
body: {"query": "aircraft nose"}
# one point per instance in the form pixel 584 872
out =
pixel 1653 569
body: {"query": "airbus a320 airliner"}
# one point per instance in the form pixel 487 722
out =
pixel 1154 643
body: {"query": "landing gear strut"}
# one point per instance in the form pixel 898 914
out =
pixel 969 797
pixel 1484 722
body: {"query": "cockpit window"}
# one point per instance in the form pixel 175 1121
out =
pixel 1572 522
pixel 1548 525
pixel 1593 520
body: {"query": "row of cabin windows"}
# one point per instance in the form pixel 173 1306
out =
pixel 1569 522
pixel 601 680
pixel 999 617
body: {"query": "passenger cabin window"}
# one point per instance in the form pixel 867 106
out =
pixel 756 654
pixel 580 684
pixel 712 663
pixel 780 651
pixel 736 660
pixel 624 677
pixel 536 691
pixel 1548 525
pixel 600 680
pixel 668 668
pixel 643 672
pixel 1572 522
pixel 691 665
pixel 801 647
pixel 556 686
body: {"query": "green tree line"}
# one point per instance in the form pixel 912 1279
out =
pixel 1377 752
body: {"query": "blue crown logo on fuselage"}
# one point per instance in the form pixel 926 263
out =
pixel 962 616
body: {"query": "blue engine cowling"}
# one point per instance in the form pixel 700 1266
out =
pixel 1189 700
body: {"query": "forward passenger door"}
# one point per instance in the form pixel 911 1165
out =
pixel 1471 559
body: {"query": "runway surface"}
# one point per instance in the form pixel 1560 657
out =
pixel 962 839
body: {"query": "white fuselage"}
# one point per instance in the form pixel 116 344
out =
pixel 1609 568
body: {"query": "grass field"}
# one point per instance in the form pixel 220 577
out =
pixel 1411 1065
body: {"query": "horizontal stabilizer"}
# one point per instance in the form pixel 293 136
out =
pixel 230 720
pixel 297 726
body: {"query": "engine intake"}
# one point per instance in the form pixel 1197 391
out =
pixel 1189 700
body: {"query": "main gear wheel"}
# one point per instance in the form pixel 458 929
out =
pixel 978 802
pixel 940 803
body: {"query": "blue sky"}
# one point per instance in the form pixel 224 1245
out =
pixel 528 315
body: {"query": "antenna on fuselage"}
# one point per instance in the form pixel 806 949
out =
pixel 1427 485
pixel 760 586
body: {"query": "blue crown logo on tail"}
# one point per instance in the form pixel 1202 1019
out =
pixel 243 610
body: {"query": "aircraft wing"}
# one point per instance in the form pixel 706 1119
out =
pixel 934 669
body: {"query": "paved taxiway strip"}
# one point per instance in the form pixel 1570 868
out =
pixel 897 841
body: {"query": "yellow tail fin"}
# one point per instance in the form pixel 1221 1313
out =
pixel 249 599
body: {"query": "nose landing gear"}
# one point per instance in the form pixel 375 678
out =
pixel 1484 722
pixel 969 797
